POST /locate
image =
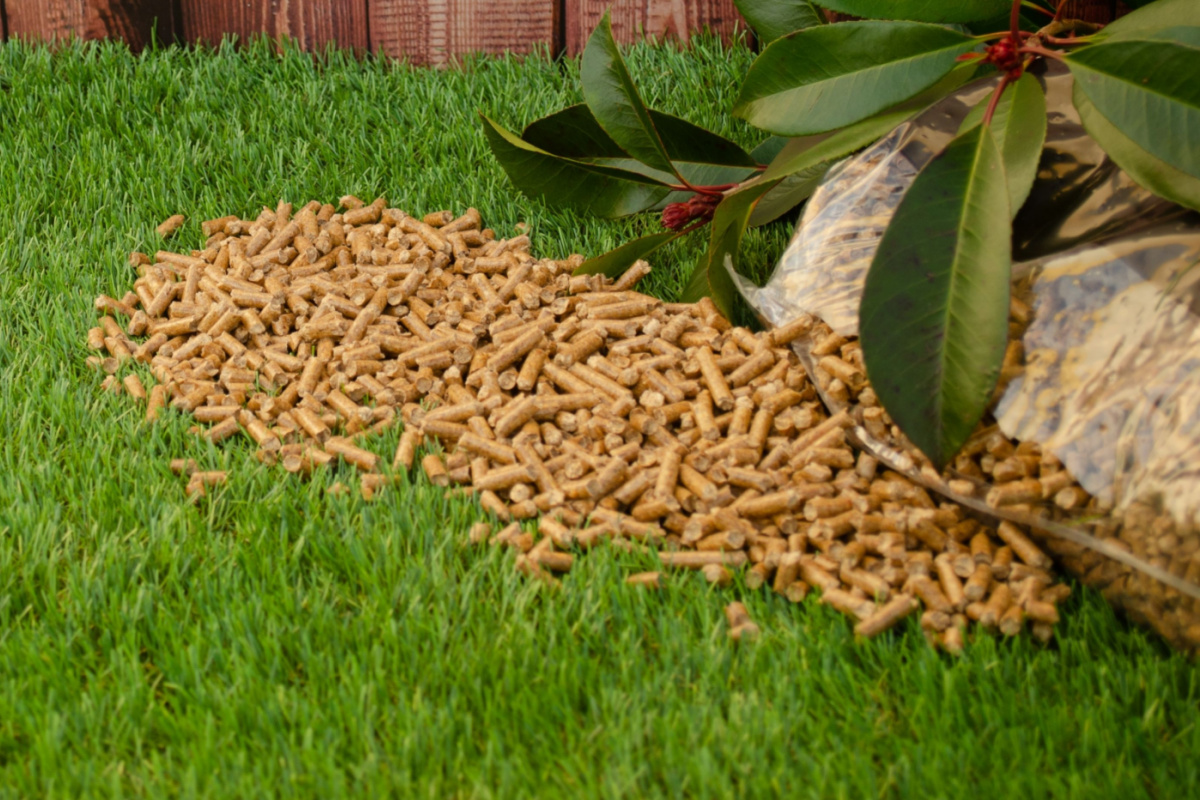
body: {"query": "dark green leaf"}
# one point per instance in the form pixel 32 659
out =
pixel 609 92
pixel 573 132
pixel 1019 128
pixel 700 156
pixel 604 191
pixel 1149 88
pixel 920 10
pixel 616 261
pixel 791 192
pixel 823 78
pixel 934 314
pixel 771 19
pixel 1150 172
pixel 710 278
pixel 1160 14
pixel 687 142
pixel 768 148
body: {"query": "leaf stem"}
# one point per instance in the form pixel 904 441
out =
pixel 1070 41
pixel 991 109
pixel 1036 7
pixel 711 191
pixel 1041 51
pixel 1015 22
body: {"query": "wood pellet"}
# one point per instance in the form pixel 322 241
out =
pixel 578 410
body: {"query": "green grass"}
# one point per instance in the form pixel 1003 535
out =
pixel 276 641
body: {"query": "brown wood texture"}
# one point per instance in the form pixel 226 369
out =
pixel 132 21
pixel 437 31
pixel 44 19
pixel 632 19
pixel 1098 11
pixel 312 23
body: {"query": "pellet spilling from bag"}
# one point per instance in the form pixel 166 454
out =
pixel 604 414
pixel 1019 477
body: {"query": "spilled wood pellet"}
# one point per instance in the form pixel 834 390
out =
pixel 604 414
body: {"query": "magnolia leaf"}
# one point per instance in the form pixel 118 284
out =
pixel 609 92
pixel 1151 173
pixel 1019 128
pixel 710 278
pixel 1160 14
pixel 1147 84
pixel 590 188
pixel 823 78
pixel 771 19
pixel 934 314
pixel 791 192
pixel 616 261
pixel 920 10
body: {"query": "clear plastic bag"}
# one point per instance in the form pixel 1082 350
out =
pixel 1108 384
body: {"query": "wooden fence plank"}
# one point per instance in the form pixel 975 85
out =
pixel 633 19
pixel 134 21
pixel 313 23
pixel 129 20
pixel 44 19
pixel 1098 11
pixel 436 31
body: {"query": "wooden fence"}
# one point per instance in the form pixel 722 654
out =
pixel 423 31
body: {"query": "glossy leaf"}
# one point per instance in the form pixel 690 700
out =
pixel 590 188
pixel 710 277
pixel 609 92
pixel 577 140
pixel 791 192
pixel 827 77
pixel 768 148
pixel 1019 128
pixel 934 314
pixel 1149 88
pixel 1151 173
pixel 804 153
pixel 1160 14
pixel 920 10
pixel 574 132
pixel 616 261
pixel 771 19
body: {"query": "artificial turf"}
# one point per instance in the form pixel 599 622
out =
pixel 278 641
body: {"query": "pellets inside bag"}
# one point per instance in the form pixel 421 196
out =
pixel 1094 425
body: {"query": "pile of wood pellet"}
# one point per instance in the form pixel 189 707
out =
pixel 604 414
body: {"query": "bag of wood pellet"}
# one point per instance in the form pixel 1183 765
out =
pixel 1096 420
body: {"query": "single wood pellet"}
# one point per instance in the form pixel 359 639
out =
pixel 602 413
